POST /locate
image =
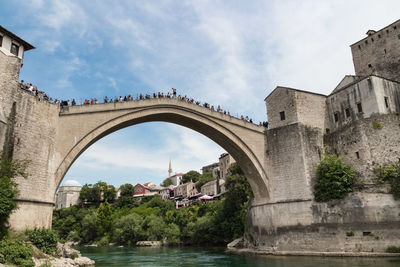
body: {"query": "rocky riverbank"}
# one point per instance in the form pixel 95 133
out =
pixel 67 257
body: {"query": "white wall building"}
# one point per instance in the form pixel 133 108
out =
pixel 68 194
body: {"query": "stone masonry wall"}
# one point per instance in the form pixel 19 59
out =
pixel 281 99
pixel 379 53
pixel 30 136
pixel 9 74
pixel 287 162
pixel 310 109
pixel 363 147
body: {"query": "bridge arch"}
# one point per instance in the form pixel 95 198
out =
pixel 216 129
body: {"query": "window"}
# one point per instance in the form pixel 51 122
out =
pixel 398 36
pixel 366 41
pixel 357 155
pixel 14 49
pixel 369 66
pixel 395 27
pixel 386 102
pixel 379 36
pixel 282 113
pixel 359 108
pixel 372 39
pixel 1 40
pixel 336 116
pixel 347 110
pixel 359 46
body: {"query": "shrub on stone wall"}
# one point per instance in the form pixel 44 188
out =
pixel 44 239
pixel 376 125
pixel 8 189
pixel 14 252
pixel 390 174
pixel 334 179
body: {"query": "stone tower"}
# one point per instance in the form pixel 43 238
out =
pixel 170 169
pixel 379 53
pixel 12 50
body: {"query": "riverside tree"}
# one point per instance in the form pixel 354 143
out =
pixel 8 189
pixel 334 179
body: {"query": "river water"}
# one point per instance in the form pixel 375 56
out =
pixel 189 256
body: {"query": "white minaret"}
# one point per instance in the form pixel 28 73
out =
pixel 170 169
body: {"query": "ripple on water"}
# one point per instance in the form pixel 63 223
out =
pixel 187 256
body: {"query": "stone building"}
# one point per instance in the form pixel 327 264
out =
pixel 68 194
pixel 176 178
pixel 225 161
pixel 185 190
pixel 359 121
pixel 211 188
pixel 379 53
pixel 212 168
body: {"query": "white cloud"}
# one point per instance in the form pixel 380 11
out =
pixel 187 149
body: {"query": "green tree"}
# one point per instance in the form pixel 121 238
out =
pixel 88 231
pixel 100 191
pixel 193 176
pixel 90 194
pixel 167 182
pixel 127 190
pixel 44 239
pixel 128 229
pixel 155 228
pixel 204 178
pixel 390 174
pixel 104 218
pixel 234 168
pixel 8 189
pixel 126 197
pixel 334 179
pixel 107 192
pixel 14 252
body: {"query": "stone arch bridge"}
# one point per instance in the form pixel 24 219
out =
pixel 273 160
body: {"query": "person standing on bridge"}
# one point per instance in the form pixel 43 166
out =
pixel 173 92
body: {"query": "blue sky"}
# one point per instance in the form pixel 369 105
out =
pixel 228 53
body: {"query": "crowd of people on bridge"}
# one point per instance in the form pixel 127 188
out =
pixel 64 103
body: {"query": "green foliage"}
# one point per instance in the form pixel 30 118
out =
pixel 192 176
pixel 94 194
pixel 235 169
pixel 68 222
pixel 127 190
pixel 160 205
pixel 390 174
pixel 154 219
pixel 103 221
pixel 393 249
pixel 104 241
pixel 204 178
pixel 376 125
pixel 89 228
pixel 44 239
pixel 155 228
pixel 236 203
pixel 128 229
pixel 126 201
pixel 8 189
pixel 167 182
pixel 334 179
pixel 16 253
pixel 350 233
